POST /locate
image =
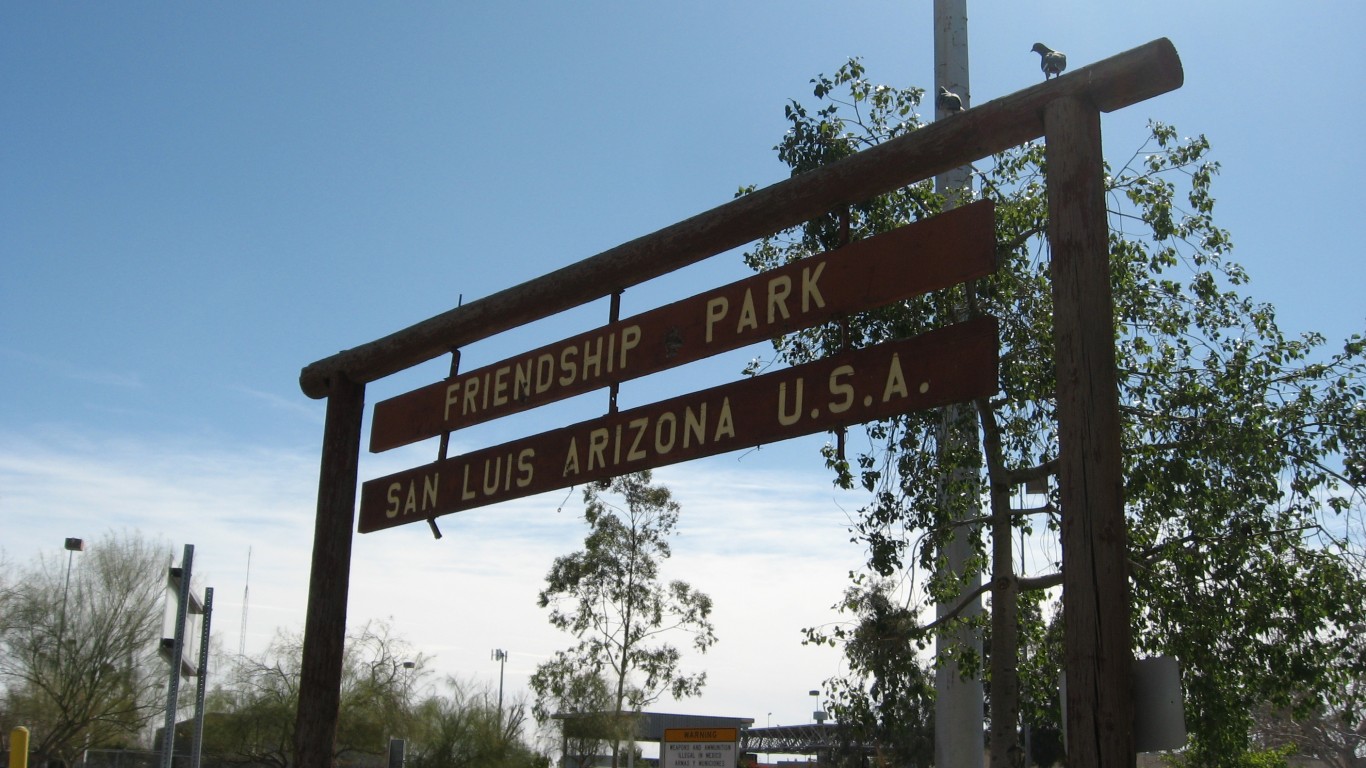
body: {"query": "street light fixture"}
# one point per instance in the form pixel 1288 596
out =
pixel 73 545
pixel 408 667
pixel 819 715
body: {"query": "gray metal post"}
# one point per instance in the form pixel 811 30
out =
pixel 177 655
pixel 73 546
pixel 203 674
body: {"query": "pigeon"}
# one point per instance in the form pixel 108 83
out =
pixel 949 100
pixel 1051 62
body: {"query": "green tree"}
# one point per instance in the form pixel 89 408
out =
pixel 1243 447
pixel 78 661
pixel 578 704
pixel 895 711
pixel 610 597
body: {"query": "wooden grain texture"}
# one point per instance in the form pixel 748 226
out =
pixel 1098 651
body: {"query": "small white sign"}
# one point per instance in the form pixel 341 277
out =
pixel 699 755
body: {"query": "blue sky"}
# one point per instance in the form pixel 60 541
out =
pixel 197 201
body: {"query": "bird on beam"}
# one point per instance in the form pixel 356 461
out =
pixel 949 100
pixel 1050 61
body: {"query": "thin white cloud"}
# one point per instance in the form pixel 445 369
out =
pixel 295 406
pixel 769 546
pixel 82 372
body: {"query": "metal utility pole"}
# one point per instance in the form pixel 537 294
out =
pixel 959 710
pixel 500 656
pixel 197 740
pixel 180 581
pixel 73 546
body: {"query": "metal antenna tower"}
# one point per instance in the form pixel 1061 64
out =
pixel 246 590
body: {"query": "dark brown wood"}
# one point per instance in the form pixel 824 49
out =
pixel 1098 648
pixel 1127 78
pixel 947 365
pixel 315 726
pixel 936 253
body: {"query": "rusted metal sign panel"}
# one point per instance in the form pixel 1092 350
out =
pixel 920 257
pixel 702 734
pixel 947 365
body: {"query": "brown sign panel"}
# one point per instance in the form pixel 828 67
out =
pixel 944 366
pixel 920 257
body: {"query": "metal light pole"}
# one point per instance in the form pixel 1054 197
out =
pixel 72 547
pixel 500 656
pixel 818 715
pixel 408 667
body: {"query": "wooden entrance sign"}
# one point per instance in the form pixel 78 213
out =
pixel 1067 109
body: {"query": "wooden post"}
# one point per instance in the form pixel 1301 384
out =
pixel 1098 648
pixel 315 726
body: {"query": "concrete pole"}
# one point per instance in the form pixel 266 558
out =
pixel 951 72
pixel 959 710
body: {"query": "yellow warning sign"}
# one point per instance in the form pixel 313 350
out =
pixel 699 747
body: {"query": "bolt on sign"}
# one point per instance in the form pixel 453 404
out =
pixel 947 365
pixel 699 747
pixel 920 257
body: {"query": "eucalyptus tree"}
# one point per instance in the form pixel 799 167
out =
pixel 1243 446
pixel 78 646
pixel 610 597
pixel 574 706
